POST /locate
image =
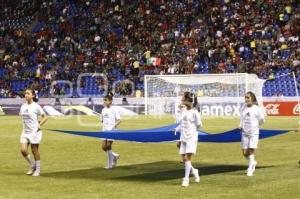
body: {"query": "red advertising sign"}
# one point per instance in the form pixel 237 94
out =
pixel 282 108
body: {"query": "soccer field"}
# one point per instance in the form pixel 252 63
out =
pixel 72 166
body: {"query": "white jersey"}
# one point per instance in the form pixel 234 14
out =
pixel 188 122
pixel 110 116
pixel 251 118
pixel 30 114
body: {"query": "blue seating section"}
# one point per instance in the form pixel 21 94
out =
pixel 282 84
pixel 92 87
pixel 19 85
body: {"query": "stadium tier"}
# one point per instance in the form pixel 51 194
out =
pixel 46 41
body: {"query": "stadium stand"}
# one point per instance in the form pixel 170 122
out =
pixel 44 41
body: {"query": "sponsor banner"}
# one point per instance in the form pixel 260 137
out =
pixel 220 109
pixel 272 108
pixel 277 108
pixel 208 109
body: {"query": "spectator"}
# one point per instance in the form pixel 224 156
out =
pixel 128 41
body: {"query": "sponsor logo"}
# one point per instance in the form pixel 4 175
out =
pixel 272 109
pixel 227 110
pixel 296 110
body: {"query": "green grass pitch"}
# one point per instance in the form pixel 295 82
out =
pixel 72 166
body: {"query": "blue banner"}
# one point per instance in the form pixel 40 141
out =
pixel 166 134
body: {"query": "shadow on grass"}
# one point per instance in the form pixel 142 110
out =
pixel 147 172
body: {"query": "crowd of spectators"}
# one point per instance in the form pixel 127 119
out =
pixel 126 40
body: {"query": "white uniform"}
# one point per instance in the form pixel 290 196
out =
pixel 178 117
pixel 30 113
pixel 110 116
pixel 189 121
pixel 251 118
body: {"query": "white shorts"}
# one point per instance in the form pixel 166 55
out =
pixel 188 147
pixel 249 141
pixel 31 138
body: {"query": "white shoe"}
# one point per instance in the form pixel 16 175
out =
pixel 36 173
pixel 250 173
pixel 196 175
pixel 185 182
pixel 30 171
pixel 107 167
pixel 115 160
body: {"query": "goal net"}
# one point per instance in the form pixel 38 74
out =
pixel 218 94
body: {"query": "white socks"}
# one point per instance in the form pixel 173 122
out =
pixel 188 168
pixel 192 169
pixel 251 159
pixel 37 170
pixel 35 166
pixel 109 158
pixel 38 165
pixel 251 166
pixel 28 159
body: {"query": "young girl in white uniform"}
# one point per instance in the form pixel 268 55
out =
pixel 31 134
pixel 189 123
pixel 180 109
pixel 178 115
pixel 252 116
pixel 110 120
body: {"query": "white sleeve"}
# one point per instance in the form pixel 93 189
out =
pixel 241 122
pixel 117 114
pixel 241 117
pixel 178 117
pixel 261 116
pixel 40 111
pixel 21 110
pixel 101 117
pixel 198 119
pixel 177 129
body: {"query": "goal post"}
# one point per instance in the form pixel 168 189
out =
pixel 218 94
